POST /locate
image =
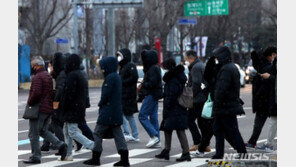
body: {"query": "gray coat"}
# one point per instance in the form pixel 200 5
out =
pixel 196 71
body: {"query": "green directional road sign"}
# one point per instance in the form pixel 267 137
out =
pixel 206 8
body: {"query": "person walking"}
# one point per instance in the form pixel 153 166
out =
pixel 196 81
pixel 227 103
pixel 41 92
pixel 74 104
pixel 174 115
pixel 150 93
pixel 262 92
pixel 86 131
pixel 129 78
pixel 110 114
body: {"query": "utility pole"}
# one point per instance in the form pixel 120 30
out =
pixel 111 32
pixel 75 32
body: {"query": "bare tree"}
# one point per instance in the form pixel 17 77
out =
pixel 45 19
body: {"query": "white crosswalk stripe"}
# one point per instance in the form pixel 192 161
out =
pixel 133 161
pixel 193 163
pixel 134 152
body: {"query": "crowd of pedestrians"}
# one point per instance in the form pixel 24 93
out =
pixel 62 95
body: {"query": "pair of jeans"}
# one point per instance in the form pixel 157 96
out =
pixel 182 138
pixel 193 114
pixel 259 122
pixel 132 122
pixel 148 116
pixel 227 127
pixel 99 132
pixel 272 131
pixel 71 132
pixel 39 127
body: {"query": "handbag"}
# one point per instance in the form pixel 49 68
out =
pixel 31 112
pixel 207 109
pixel 186 98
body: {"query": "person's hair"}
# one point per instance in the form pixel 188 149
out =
pixel 269 50
pixel 191 53
pixel 169 64
pixel 38 60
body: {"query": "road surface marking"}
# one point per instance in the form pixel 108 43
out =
pixel 134 152
pixel 193 163
pixel 84 151
pixel 21 119
pixel 23 131
pixel 26 141
pixel 23 152
pixel 192 152
pixel 133 161
pixel 58 163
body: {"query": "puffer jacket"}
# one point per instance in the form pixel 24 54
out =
pixel 129 77
pixel 227 90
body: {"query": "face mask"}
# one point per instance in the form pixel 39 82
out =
pixel 119 58
pixel 187 63
pixel 216 61
pixel 32 71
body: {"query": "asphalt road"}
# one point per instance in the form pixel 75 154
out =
pixel 140 156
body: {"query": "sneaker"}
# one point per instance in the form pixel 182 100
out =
pixel 136 139
pixel 67 158
pixel 251 146
pixel 265 148
pixel 157 145
pixel 193 148
pixel 154 140
pixel 128 138
pixel 197 154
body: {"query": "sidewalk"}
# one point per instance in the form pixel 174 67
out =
pixel 91 83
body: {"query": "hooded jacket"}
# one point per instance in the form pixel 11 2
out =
pixel 75 92
pixel 86 78
pixel 129 77
pixel 152 84
pixel 227 91
pixel 174 115
pixel 110 111
pixel 59 62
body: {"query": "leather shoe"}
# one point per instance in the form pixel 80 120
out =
pixel 32 161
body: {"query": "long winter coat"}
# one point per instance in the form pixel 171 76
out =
pixel 75 92
pixel 59 75
pixel 227 90
pixel 129 78
pixel 152 84
pixel 41 91
pixel 174 115
pixel 110 111
pixel 263 90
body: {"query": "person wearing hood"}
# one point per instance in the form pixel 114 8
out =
pixel 151 92
pixel 174 115
pixel 196 81
pixel 110 113
pixel 57 71
pixel 74 105
pixel 227 103
pixel 129 78
pixel 86 131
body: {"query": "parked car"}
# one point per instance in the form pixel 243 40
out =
pixel 242 75
pixel 250 72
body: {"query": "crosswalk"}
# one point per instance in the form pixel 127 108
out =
pixel 134 159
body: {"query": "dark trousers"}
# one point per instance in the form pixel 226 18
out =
pixel 55 127
pixel 259 122
pixel 206 128
pixel 99 132
pixel 182 138
pixel 86 130
pixel 227 126
pixel 192 117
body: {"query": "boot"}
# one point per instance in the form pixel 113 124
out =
pixel 165 154
pixel 123 159
pixel 184 157
pixel 95 160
